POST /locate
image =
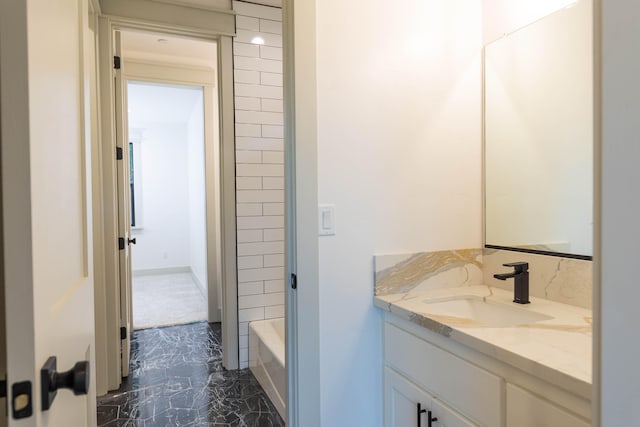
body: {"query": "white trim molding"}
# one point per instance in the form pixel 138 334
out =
pixel 167 15
pixel 301 175
pixel 224 183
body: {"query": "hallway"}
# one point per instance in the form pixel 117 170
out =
pixel 177 379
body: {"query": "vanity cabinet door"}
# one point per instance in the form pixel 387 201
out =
pixel 401 399
pixel 525 409
pixel 447 417
pixel 473 391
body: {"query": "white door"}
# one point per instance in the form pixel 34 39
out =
pixel 124 218
pixel 46 217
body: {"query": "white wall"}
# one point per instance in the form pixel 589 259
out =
pixel 196 195
pixel 504 16
pixel 619 347
pixel 163 240
pixel 399 154
pixel 259 166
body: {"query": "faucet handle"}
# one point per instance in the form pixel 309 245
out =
pixel 520 267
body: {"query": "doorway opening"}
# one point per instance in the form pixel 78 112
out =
pixel 169 184
pixel 167 200
pixel 254 161
pixel 169 197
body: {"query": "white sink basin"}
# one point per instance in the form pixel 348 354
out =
pixel 472 310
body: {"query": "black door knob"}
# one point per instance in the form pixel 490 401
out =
pixel 75 379
pixel 132 240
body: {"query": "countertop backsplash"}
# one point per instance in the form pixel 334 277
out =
pixel 565 280
pixel 427 270
pixel 559 279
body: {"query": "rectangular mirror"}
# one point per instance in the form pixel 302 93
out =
pixel 539 136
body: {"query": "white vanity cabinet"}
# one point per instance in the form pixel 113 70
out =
pixel 454 382
pixel 525 409
pixel 464 388
pixel 407 405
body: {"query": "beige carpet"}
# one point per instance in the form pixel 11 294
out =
pixel 167 299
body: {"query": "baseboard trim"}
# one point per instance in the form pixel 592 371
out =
pixel 158 271
pixel 199 284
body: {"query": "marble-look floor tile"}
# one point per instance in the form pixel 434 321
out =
pixel 176 379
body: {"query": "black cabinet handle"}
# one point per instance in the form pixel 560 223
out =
pixel 132 240
pixel 420 412
pixel 430 419
pixel 75 379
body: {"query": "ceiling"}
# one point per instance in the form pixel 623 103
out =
pixel 168 49
pixel 155 103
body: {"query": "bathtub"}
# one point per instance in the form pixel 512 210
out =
pixel 266 359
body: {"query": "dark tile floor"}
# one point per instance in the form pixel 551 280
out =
pixel 177 379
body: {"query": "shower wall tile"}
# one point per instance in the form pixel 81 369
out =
pixel 257 64
pixel 260 248
pixel 250 236
pixel 259 165
pixel 245 49
pixel 247 23
pixel 268 52
pixel 245 262
pixel 274 312
pixel 253 10
pixel 267 26
pixel 275 105
pixel 274 235
pixel 251 288
pixel 257 143
pixel 248 104
pixel 247 76
pixel 249 209
pixel 271 286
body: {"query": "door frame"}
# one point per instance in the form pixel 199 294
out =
pixel 301 181
pixel 110 323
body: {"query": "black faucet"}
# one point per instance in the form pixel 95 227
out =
pixel 521 281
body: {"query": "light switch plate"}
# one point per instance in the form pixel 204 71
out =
pixel 326 220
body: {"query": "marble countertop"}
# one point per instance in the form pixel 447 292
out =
pixel 557 350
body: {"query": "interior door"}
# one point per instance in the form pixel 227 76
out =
pixel 124 216
pixel 46 217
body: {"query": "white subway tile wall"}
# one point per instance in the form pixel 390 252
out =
pixel 259 166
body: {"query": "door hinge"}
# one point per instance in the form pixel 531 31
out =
pixel 294 281
pixel 118 153
pixel 121 243
pixel 3 388
pixel 123 332
pixel 116 62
